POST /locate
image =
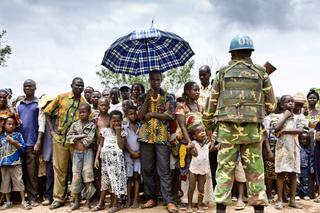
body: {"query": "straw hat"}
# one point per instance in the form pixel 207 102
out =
pixel 299 98
pixel 44 100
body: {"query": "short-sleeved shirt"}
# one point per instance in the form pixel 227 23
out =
pixel 29 112
pixel 67 108
pixel 78 128
pixel 154 130
pixel 9 154
pixel 204 94
pixel 117 106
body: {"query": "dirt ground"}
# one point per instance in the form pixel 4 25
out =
pixel 309 207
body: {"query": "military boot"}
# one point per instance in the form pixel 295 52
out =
pixel 258 209
pixel 221 208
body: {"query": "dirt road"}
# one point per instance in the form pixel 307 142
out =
pixel 309 207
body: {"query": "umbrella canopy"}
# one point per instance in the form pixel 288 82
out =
pixel 143 51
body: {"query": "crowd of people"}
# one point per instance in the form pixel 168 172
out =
pixel 225 138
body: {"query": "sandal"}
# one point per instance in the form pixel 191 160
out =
pixel 204 206
pixel 134 205
pixel 278 206
pixel 149 204
pixel 295 206
pixel 240 206
pixel 189 210
pixel 317 200
pixel 183 206
pixel 114 209
pixel 25 205
pixel 6 205
pixel 172 208
pixel 98 208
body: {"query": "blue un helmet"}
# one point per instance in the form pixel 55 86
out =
pixel 241 42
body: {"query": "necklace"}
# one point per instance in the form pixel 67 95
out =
pixel 156 99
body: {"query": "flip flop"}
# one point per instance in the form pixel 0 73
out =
pixel 98 208
pixel 189 211
pixel 278 206
pixel 204 206
pixel 240 207
pixel 295 206
pixel 317 200
pixel 149 204
pixel 114 209
pixel 172 208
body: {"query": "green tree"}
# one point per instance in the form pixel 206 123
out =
pixel 110 79
pixel 5 50
pixel 174 79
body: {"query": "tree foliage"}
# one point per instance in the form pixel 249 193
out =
pixel 5 50
pixel 174 79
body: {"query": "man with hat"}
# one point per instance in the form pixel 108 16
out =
pixel 241 96
pixel 125 92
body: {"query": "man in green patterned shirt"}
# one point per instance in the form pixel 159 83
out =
pixel 66 106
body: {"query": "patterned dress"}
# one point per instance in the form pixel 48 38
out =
pixel 113 172
pixel 287 154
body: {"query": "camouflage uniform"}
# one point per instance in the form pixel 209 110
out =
pixel 241 94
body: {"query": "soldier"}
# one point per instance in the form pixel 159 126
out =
pixel 242 93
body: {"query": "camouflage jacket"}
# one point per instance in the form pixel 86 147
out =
pixel 237 99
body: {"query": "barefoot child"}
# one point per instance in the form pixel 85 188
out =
pixel 82 135
pixel 199 166
pixel 306 164
pixel 113 174
pixel 11 147
pixel 287 154
pixel 132 156
pixel 102 121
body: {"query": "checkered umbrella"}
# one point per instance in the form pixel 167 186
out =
pixel 140 52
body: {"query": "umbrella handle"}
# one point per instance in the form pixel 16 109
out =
pixel 147 50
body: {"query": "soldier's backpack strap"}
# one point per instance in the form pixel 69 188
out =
pixel 254 68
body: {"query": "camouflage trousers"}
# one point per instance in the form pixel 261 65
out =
pixel 251 158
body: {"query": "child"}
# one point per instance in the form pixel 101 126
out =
pixel 113 174
pixel 287 154
pixel 81 135
pixel 102 121
pixel 199 166
pixel 11 147
pixel 95 96
pixel 307 163
pixel 125 107
pixel 132 160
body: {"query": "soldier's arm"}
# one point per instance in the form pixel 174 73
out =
pixel 211 105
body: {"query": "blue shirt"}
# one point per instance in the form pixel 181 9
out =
pixel 9 154
pixel 29 112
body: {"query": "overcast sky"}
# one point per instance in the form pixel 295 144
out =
pixel 55 41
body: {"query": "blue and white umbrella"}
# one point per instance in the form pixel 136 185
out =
pixel 143 51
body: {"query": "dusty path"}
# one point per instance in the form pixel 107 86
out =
pixel 309 207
